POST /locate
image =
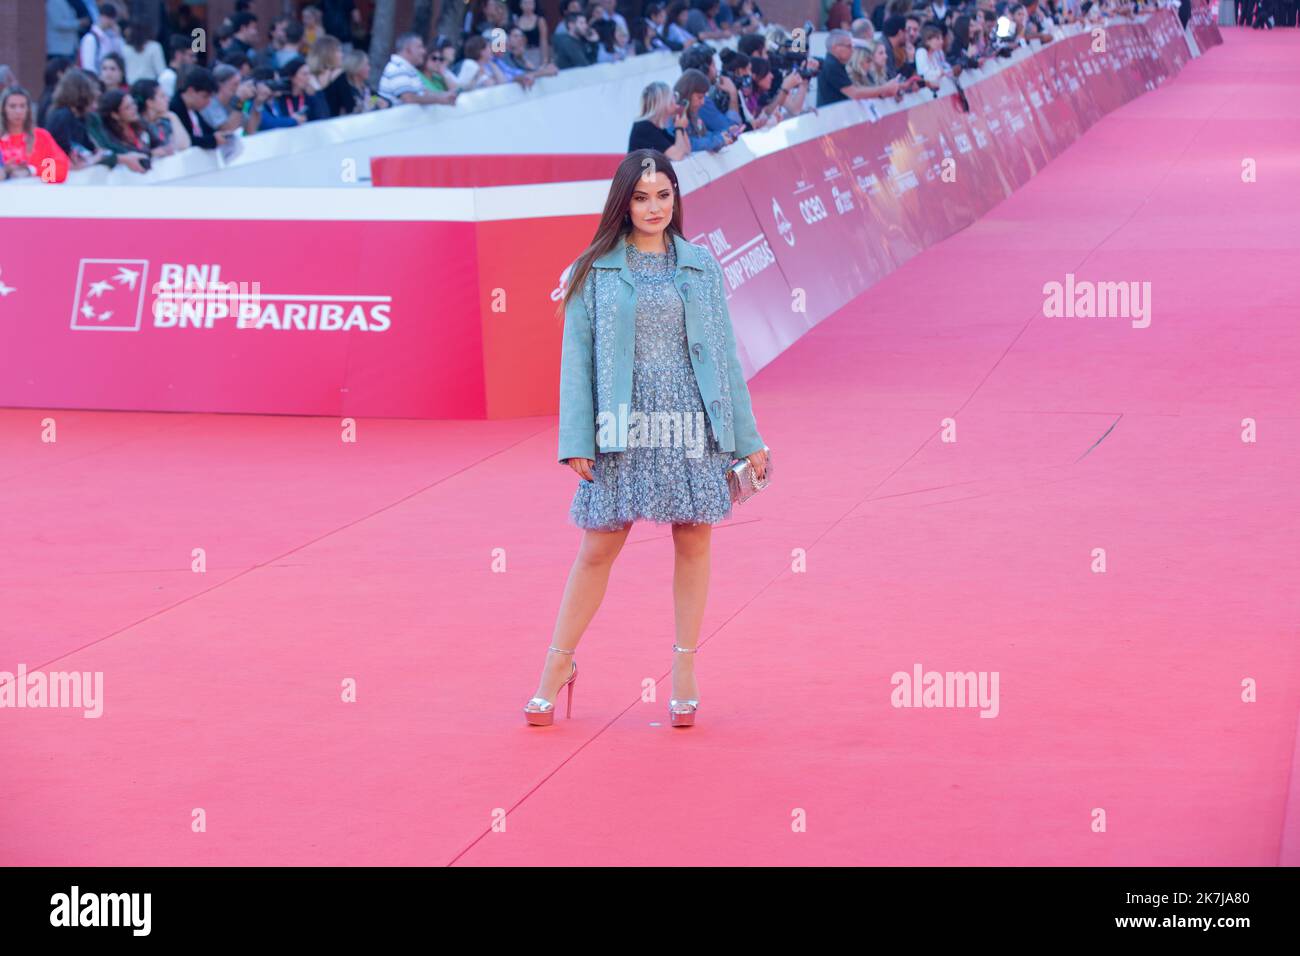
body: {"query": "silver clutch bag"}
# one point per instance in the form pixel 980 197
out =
pixel 741 480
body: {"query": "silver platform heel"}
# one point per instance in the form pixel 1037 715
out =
pixel 539 711
pixel 682 712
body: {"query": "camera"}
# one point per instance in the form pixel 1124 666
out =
pixel 785 58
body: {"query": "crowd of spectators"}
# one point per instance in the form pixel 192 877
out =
pixel 898 47
pixel 114 95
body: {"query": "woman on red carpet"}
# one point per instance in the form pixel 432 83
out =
pixel 647 336
pixel 25 148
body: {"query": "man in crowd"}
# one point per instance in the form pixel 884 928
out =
pixel 194 93
pixel 576 46
pixel 834 85
pixel 401 83
pixel 243 42
pixel 64 22
pixel 225 113
pixel 897 52
pixel 182 58
pixel 496 16
pixel 286 34
pixel 103 38
pixel 514 65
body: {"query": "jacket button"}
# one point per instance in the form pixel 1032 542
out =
pixel 717 407
pixel 686 289
pixel 696 348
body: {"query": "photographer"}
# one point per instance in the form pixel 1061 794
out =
pixel 735 69
pixel 226 112
pixel 769 100
pixel 834 85
pixel 720 109
pixel 293 103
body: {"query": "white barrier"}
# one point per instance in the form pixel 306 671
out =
pixel 586 110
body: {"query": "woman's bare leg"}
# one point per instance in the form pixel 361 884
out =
pixel 582 596
pixel 691 544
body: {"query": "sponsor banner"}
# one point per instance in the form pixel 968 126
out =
pixel 767 314
pixel 1204 24
pixel 321 318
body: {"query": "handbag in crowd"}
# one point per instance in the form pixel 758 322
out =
pixel 742 482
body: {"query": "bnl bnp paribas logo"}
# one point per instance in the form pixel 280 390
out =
pixel 116 295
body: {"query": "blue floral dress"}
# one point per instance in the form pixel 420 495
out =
pixel 673 471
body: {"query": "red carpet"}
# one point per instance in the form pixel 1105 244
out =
pixel 1119 692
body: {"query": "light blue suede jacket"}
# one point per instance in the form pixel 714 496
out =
pixel 596 358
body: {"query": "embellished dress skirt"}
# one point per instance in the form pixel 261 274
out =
pixel 673 471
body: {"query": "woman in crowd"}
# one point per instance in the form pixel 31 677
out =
pixel 608 49
pixel 866 66
pixel 112 72
pixel 677 36
pixel 311 29
pixel 69 121
pixel 55 67
pixel 142 55
pixel 25 148
pixel 163 126
pixel 437 74
pixel 299 104
pixel 705 23
pixel 645 38
pixel 691 87
pixel 120 132
pixel 967 49
pixel 658 125
pixel 350 91
pixel 325 62
pixel 536 32
pixel 478 70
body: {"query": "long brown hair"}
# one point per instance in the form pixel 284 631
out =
pixel 615 219
pixel 76 91
pixel 29 123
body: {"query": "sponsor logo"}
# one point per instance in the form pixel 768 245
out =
pixel 783 227
pixel 109 295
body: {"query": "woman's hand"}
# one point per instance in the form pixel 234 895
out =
pixel 582 466
pixel 758 461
